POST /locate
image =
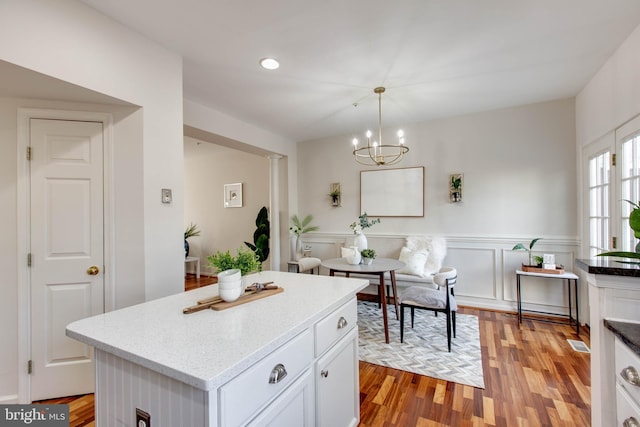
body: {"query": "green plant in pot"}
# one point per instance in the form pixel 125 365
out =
pixel 533 260
pixel 368 255
pixel 245 260
pixel 299 228
pixel 191 231
pixel 335 196
pixel 634 223
pixel 260 244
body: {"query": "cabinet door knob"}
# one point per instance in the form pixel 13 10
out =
pixel 630 375
pixel 631 422
pixel 324 374
pixel 342 323
pixel 277 374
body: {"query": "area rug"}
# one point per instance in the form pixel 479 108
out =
pixel 424 350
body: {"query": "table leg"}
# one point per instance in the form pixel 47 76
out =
pixel 383 298
pixel 519 301
pixel 570 310
pixel 198 268
pixel 395 290
pixel 575 284
pixel 332 272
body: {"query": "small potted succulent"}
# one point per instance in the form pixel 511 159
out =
pixel 368 255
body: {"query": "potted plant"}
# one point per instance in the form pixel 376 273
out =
pixel 358 229
pixel 245 260
pixel 260 243
pixel 335 196
pixel 191 231
pixel 634 223
pixel 299 228
pixel 368 255
pixel 456 188
pixel 533 260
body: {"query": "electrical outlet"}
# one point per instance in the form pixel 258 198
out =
pixel 143 419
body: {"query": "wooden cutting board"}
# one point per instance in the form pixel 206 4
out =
pixel 246 298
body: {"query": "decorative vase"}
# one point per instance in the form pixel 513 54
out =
pixel 298 248
pixel 360 241
pixel 186 248
pixel 367 261
pixel 292 242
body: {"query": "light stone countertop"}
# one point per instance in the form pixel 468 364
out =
pixel 208 348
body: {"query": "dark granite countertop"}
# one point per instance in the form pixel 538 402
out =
pixel 629 333
pixel 608 265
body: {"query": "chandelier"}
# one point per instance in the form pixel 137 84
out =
pixel 376 153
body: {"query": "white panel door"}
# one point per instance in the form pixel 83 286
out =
pixel 67 280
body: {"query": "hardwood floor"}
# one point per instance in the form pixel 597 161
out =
pixel 532 378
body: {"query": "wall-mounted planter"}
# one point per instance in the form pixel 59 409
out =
pixel 455 187
pixel 336 194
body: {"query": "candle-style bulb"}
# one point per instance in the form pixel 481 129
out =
pixel 400 133
pixel 354 141
pixel 368 134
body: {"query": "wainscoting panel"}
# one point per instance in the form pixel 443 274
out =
pixel 476 272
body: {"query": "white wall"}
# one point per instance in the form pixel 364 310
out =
pixel 518 165
pixel 612 96
pixel 208 168
pixel 103 56
pixel 206 124
pixel 71 42
pixel 519 171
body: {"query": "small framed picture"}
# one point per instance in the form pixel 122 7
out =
pixel 233 195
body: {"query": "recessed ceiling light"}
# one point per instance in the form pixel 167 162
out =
pixel 269 63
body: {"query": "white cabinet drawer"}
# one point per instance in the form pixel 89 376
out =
pixel 627 411
pixel 294 407
pixel 627 363
pixel 336 325
pixel 243 396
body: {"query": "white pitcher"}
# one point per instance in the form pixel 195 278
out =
pixel 355 257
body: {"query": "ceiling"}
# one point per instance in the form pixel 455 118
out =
pixel 437 58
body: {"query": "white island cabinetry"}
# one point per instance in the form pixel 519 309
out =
pixel 287 359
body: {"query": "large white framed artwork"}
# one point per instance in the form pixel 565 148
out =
pixel 233 195
pixel 392 192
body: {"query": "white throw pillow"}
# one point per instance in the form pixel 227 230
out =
pixel 414 261
pixel 435 246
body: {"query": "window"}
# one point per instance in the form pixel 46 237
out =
pixel 612 176
pixel 599 168
pixel 629 171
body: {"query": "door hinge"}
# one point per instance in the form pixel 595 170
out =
pixel 28 153
pixel 30 367
pixel 613 159
pixel 29 260
pixel 614 243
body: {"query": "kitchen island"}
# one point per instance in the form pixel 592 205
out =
pixel 289 359
pixel 614 298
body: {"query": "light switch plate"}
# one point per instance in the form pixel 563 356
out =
pixel 166 195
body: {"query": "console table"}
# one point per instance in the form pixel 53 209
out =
pixel 377 268
pixel 191 259
pixel 568 276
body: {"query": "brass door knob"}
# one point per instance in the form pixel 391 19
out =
pixel 93 270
